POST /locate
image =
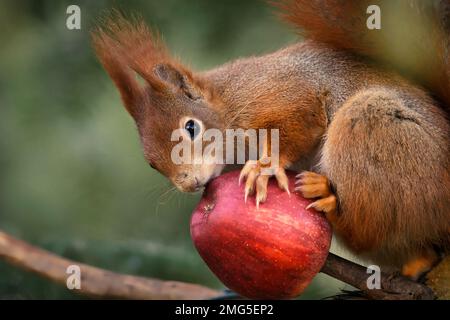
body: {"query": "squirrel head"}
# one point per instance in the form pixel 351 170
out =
pixel 161 95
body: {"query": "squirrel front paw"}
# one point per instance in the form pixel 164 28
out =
pixel 315 186
pixel 257 180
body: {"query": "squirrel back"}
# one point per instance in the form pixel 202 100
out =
pixel 414 35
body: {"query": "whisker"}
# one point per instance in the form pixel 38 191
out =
pixel 151 192
pixel 162 201
pixel 166 195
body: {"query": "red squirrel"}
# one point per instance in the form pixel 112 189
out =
pixel 378 140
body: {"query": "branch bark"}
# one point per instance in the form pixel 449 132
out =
pixel 393 287
pixel 100 283
pixel 96 282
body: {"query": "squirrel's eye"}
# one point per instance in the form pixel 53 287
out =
pixel 193 128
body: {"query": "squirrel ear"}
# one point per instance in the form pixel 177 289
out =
pixel 178 78
pixel 118 69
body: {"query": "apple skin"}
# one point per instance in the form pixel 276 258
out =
pixel 272 252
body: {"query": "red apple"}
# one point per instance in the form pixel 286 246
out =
pixel 268 253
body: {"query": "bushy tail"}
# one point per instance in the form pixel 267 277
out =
pixel 414 37
pixel 439 279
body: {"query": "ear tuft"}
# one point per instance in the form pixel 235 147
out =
pixel 126 46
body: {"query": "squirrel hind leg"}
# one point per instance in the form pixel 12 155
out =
pixel 389 166
pixel 420 264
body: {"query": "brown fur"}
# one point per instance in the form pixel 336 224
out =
pixel 390 167
pixel 384 142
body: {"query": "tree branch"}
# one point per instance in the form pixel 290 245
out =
pixel 96 282
pixel 393 287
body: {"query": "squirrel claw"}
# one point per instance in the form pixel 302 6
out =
pixel 256 181
pixel 283 180
pixel 249 166
pixel 326 205
pixel 313 185
pixel 261 189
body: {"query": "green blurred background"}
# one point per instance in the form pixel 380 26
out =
pixel 73 178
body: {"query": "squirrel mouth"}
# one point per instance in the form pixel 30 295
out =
pixel 196 189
